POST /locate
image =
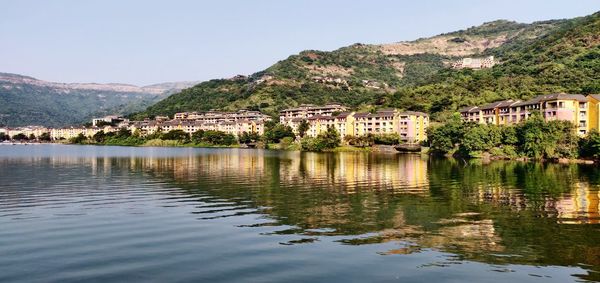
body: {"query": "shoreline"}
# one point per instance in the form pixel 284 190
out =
pixel 489 159
pixel 343 148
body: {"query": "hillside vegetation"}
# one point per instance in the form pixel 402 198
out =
pixel 29 101
pixel 549 56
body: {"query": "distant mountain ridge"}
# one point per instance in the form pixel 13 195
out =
pixel 159 88
pixel 25 100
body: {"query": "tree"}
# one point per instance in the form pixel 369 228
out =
pixel 31 137
pixel 444 138
pixel 387 139
pixel 360 141
pixel 99 137
pixel 177 135
pixel 480 137
pixel 590 145
pixel 302 128
pixel 123 133
pixel 4 137
pixel 45 137
pixel 533 137
pixel 330 139
pixel 197 136
pixel 509 135
pixel 278 132
pixel 248 137
pixel 79 139
pixel 20 137
pixel 218 138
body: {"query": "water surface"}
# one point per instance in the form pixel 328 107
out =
pixel 84 213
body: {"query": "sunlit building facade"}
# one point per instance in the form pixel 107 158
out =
pixel 580 110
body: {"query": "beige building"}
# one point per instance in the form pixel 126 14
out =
pixel 235 128
pixel 37 131
pixel 306 111
pixel 474 63
pixel 218 116
pixel 146 127
pixel 72 132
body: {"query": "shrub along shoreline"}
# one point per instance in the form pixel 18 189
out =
pixel 532 139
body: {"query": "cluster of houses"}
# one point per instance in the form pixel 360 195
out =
pixel 29 131
pixel 582 111
pixel 234 123
pixel 410 126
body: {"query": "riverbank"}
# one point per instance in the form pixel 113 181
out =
pixel 272 146
pixel 487 157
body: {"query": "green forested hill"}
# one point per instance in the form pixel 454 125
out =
pixel 29 101
pixel 558 55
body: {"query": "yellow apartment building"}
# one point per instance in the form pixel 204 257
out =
pixel 410 126
pixel 594 111
pixel 582 111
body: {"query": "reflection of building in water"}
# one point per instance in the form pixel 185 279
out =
pixel 407 173
pixel 502 195
pixel 241 165
pixel 582 205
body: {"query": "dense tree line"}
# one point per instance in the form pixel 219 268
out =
pixel 44 137
pixel 534 138
pixel 179 137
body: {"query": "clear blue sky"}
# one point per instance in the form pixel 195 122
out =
pixel 143 42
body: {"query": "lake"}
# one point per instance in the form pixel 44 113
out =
pixel 93 213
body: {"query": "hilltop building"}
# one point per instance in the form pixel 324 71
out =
pixel 111 119
pixel 474 63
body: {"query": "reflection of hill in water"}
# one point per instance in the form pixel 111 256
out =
pixel 503 212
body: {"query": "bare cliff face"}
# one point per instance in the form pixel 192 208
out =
pixel 474 40
pixel 444 45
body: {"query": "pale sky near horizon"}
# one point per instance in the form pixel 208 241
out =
pixel 144 42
